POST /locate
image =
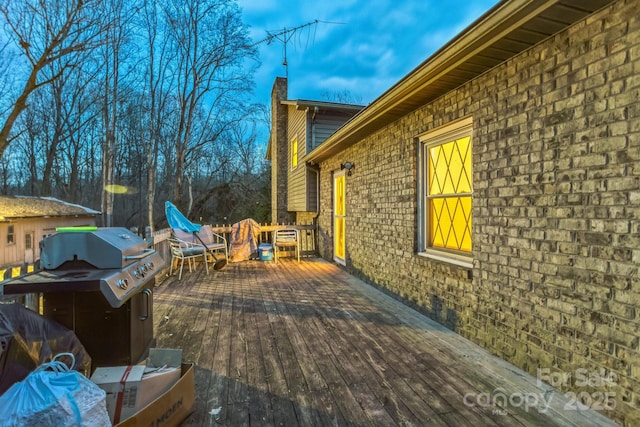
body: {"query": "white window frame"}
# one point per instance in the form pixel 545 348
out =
pixel 11 233
pixel 451 131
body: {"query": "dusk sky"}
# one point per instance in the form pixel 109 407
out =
pixel 358 47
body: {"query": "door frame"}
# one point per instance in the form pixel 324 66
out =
pixel 336 218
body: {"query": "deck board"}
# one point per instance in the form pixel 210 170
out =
pixel 308 344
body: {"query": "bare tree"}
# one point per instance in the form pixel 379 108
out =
pixel 148 95
pixel 113 40
pixel 211 43
pixel 342 96
pixel 159 83
pixel 78 115
pixel 44 32
pixel 244 145
pixel 30 144
pixel 8 79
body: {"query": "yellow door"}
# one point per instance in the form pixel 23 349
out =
pixel 339 217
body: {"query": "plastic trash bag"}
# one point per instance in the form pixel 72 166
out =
pixel 54 395
pixel 27 340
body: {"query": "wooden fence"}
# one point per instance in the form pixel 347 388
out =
pixel 20 270
pixel 29 300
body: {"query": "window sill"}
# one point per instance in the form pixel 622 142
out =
pixel 458 260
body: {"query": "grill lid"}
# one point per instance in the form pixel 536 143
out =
pixel 102 248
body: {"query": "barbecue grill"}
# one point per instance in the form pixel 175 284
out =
pixel 98 283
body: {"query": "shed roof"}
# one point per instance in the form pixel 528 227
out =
pixel 16 207
pixel 505 30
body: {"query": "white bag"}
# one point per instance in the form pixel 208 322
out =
pixel 54 395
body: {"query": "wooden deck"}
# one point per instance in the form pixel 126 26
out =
pixel 308 344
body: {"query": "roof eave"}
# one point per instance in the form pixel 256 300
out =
pixel 503 18
pixel 305 103
pixel 19 217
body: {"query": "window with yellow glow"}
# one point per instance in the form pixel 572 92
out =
pixel 447 189
pixel 294 153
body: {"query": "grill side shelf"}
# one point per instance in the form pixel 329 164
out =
pixel 49 281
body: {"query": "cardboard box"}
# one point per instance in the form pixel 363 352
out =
pixel 159 357
pixel 122 385
pixel 161 373
pixel 172 407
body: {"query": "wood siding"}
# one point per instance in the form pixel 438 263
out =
pixel 324 125
pixel 306 344
pixel 297 177
pixel 311 130
pixel 14 254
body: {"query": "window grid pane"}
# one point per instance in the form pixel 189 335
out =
pixel 448 198
pixel 450 223
pixel 450 167
pixel 341 205
pixel 340 232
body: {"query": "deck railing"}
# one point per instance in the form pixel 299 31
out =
pixel 28 300
pixel 11 272
pixel 308 237
pixel 308 243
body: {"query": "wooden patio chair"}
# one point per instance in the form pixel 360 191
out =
pixel 182 251
pixel 287 238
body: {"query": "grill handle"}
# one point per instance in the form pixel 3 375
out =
pixel 146 252
pixel 147 293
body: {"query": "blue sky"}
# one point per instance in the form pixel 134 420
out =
pixel 360 48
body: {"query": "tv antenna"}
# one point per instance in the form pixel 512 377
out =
pixel 285 35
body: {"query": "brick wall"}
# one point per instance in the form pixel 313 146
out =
pixel 279 153
pixel 556 209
